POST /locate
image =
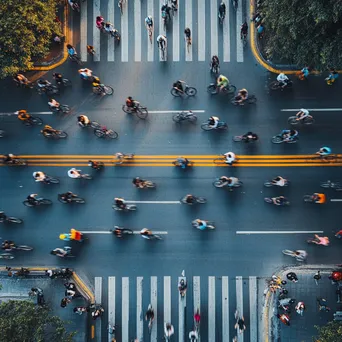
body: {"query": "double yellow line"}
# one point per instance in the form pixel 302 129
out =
pixel 198 160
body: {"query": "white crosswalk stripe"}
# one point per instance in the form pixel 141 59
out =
pixel 210 297
pixel 208 36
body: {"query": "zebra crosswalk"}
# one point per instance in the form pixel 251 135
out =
pixel 216 298
pixel 208 36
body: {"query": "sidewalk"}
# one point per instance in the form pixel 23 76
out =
pixel 306 290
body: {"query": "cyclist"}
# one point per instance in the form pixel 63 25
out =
pixel 333 75
pixel 222 10
pixel 179 86
pixel 23 115
pixel 54 104
pixel 109 27
pixel 99 22
pixel 300 307
pixel 190 199
pixel 304 73
pixel 201 224
pixel 71 50
pixel 120 203
pixel 83 120
pixel 281 200
pixel 321 240
pixel 48 130
pixel 289 134
pixel 250 136
pixel 182 286
pixel 161 41
pixel 146 233
pixel 95 164
pixel 21 79
pixel 187 33
pixel 42 83
pixel 222 82
pixel 324 151
pixel 8 245
pixel 68 196
pixel 318 198
pixel 283 80
pixel 182 162
pixel 149 22
pixel 90 50
pixel 302 114
pixel 32 199
pixel 149 316
pixel 74 173
pixel 215 63
pixel 85 73
pixel 9 158
pixel 197 317
pixel 231 181
pixel 61 252
pixel 58 77
pixel 39 176
pixel 242 96
pixel 193 336
pixel 213 121
pixel 279 181
pixel 244 30
pixel 168 329
pixel 230 158
pixel 138 182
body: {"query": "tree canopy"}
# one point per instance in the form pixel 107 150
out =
pixel 26 322
pixel 304 32
pixel 332 332
pixel 26 31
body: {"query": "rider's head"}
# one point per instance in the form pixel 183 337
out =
pixel 69 46
pixel 293 132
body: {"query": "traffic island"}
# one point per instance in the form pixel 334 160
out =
pixel 320 295
pixel 69 295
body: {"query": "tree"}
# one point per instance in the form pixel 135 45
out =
pixel 24 321
pixel 304 32
pixel 332 332
pixel 26 31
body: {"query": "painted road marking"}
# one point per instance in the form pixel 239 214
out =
pixel 111 304
pixel 225 309
pixel 211 309
pixel 181 314
pixel 154 307
pixel 137 31
pixel 226 35
pixel 239 301
pixel 155 202
pixel 175 36
pixel 110 40
pixel 83 32
pixel 135 232
pixel 313 110
pixel 214 34
pixel 40 113
pixel 336 200
pixel 96 32
pixel 174 111
pixel 239 46
pixel 188 23
pixel 197 296
pixel 201 30
pixel 167 299
pixel 247 232
pixel 125 309
pixel 124 47
pixel 150 50
pixel 140 313
pixel 253 312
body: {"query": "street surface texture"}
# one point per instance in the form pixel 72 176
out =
pixel 250 234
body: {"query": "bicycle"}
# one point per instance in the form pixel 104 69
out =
pixel 103 132
pixel 7 256
pixel 190 91
pixel 39 201
pixel 250 100
pixel 185 116
pixel 200 200
pixel 123 231
pixel 32 121
pixel 275 85
pixel 279 139
pixel 123 158
pixel 308 120
pixel 269 184
pixel 270 201
pixel 220 160
pixel 27 84
pixel 128 207
pixel 16 161
pixel 213 89
pixel 148 185
pixel 20 248
pixel 10 219
pixel 176 163
pixel 48 90
pixel 333 185
pixel 76 58
pixel 65 82
pixel 218 183
pixel 70 200
pixel 238 138
pixel 50 180
pixel 294 254
pixel 84 176
pixel 103 90
pixel 163 50
pixel 56 135
pixel 61 108
pixel 140 111
pixel 209 224
pixel 222 126
pixel 215 68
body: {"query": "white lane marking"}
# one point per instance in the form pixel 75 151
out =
pixel 313 110
pixel 175 36
pixel 98 290
pixel 253 312
pixel 247 232
pixel 201 30
pixel 239 47
pixel 225 309
pixel 167 299
pixel 150 50
pixel 181 314
pixel 213 29
pixel 239 301
pixel 155 202
pixel 197 296
pixel 111 303
pixel 137 30
pixel 96 31
pixel 37 113
pixel 188 23
pixel 336 200
pixel 135 232
pixel 226 35
pixel 124 36
pixel 154 306
pixel 211 309
pixel 140 313
pixel 125 307
pixel 174 111
pixel 83 32
pixel 111 40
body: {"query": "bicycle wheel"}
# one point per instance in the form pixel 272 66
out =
pixel 206 127
pixel 157 237
pixel 95 124
pixel 24 248
pixel 127 231
pixel 230 90
pixel 223 126
pixel 28 204
pixel 61 135
pixel 126 109
pixel 212 89
pixel 277 139
pixel 78 200
pixel 268 184
pixel 14 220
pixel 292 120
pixel 142 112
pixel 86 176
pixel 210 225
pixel 51 180
pixel 149 184
pixel 192 118
pixel 238 138
pixel 268 200
pixel 174 92
pixel 53 90
pixel 99 133
pixel 252 99
pixel 7 256
pixel 238 184
pixel 309 120
pixel 33 121
pixel 65 109
pixel 112 134
pixel 219 161
pixel 308 198
pixel 131 207
pixel 201 200
pixel 177 118
pixel 108 90
pixel 288 252
pixel 191 91
pixel 218 184
pixel 66 82
pixel 274 85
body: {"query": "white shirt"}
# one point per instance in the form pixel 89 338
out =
pixel 53 103
pixel 306 113
pixel 230 157
pixel 39 176
pixel 73 173
pixel 161 38
pixel 234 181
pixel 282 77
pixel 281 182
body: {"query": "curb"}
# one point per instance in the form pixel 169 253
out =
pixel 64 55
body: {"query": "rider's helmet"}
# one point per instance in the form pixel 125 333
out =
pixel 69 46
pixel 62 236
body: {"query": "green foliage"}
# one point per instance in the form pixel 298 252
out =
pixel 26 30
pixel 26 322
pixel 332 332
pixel 304 32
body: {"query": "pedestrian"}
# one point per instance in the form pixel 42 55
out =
pixel 97 312
pixel 292 277
pixel 70 286
pixel 80 309
pixel 64 302
pixel 300 307
pixel 322 305
pixel 70 294
pixel 261 30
